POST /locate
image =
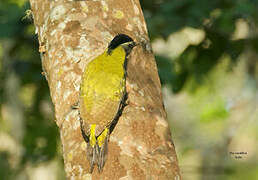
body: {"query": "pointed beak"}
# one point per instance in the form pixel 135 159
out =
pixel 131 45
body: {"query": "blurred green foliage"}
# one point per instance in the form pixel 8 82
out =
pixel 214 111
pixel 19 56
pixel 5 170
pixel 217 18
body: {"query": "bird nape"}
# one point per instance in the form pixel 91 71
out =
pixel 103 97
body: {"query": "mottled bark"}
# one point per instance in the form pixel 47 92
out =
pixel 70 35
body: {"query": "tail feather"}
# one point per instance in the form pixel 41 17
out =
pixel 92 156
pixel 103 154
pixel 97 150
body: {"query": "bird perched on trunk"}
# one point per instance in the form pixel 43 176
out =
pixel 102 97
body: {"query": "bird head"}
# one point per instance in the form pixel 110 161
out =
pixel 125 41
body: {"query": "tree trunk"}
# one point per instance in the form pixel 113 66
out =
pixel 72 33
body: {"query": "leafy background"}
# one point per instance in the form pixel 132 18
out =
pixel 206 53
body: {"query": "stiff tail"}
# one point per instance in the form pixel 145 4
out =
pixel 97 148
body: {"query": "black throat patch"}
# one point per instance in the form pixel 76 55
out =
pixel 118 40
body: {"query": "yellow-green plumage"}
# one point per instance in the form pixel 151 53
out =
pixel 102 87
pixel 102 93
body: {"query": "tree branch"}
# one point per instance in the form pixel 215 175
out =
pixel 70 35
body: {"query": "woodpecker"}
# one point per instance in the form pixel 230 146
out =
pixel 103 96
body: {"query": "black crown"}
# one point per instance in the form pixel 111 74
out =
pixel 118 40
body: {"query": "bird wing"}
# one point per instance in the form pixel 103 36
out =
pixel 100 99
